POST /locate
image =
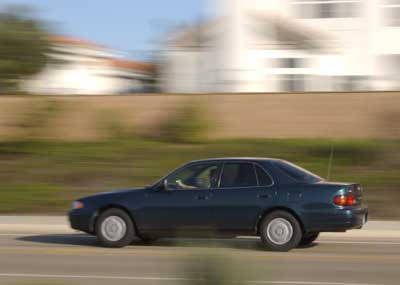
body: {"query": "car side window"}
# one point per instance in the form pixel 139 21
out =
pixel 200 176
pixel 238 175
pixel 263 178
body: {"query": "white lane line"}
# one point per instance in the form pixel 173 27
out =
pixel 153 278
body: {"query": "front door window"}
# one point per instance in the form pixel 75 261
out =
pixel 200 176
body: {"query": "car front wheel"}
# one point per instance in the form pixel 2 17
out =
pixel 280 231
pixel 114 228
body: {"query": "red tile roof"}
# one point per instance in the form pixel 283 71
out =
pixel 119 63
pixel 133 65
pixel 57 39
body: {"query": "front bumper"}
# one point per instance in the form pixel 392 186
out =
pixel 81 221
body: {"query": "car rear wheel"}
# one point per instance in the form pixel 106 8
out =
pixel 308 239
pixel 114 228
pixel 280 231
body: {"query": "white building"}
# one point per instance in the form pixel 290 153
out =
pixel 287 45
pixel 83 68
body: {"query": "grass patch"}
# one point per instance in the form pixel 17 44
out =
pixel 30 198
pixel 46 176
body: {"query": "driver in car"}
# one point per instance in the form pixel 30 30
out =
pixel 212 182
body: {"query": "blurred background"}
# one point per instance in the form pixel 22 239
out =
pixel 100 95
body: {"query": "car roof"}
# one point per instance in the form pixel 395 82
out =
pixel 227 159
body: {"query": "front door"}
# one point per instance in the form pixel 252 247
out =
pixel 185 204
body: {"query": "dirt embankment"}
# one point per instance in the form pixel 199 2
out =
pixel 329 115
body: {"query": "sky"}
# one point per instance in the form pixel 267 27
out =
pixel 132 26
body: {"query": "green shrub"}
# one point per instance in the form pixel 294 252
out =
pixel 23 46
pixel 36 120
pixel 111 124
pixel 186 125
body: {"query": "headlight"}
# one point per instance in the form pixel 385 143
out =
pixel 77 205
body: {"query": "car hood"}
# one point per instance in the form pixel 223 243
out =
pixel 113 193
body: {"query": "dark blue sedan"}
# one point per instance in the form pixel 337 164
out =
pixel 284 204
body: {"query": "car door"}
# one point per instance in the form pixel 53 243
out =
pixel 245 190
pixel 184 205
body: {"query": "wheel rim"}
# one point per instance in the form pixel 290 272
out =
pixel 113 228
pixel 279 231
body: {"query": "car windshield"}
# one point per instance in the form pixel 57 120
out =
pixel 296 172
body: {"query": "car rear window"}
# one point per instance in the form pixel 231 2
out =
pixel 296 172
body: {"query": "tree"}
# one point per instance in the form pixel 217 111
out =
pixel 23 47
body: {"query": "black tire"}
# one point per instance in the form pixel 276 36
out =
pixel 286 217
pixel 126 239
pixel 308 239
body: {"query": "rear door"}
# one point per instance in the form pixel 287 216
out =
pixel 245 190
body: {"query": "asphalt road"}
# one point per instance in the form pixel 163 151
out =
pixel 63 258
pixel 66 258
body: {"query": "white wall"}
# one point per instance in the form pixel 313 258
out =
pixel 247 67
pixel 82 71
pixel 356 48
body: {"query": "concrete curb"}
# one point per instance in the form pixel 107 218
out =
pixel 35 224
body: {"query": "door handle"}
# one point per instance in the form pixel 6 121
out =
pixel 201 197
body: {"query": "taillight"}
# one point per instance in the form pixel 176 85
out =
pixel 345 200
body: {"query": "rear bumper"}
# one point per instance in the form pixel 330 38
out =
pixel 337 219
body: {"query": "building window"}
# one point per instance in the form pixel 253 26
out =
pixel 324 9
pixel 391 13
pixel 292 83
pixel 290 62
pixel 328 10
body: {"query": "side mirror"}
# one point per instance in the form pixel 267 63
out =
pixel 167 187
pixel 165 183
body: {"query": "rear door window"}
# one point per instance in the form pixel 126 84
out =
pixel 263 178
pixel 238 175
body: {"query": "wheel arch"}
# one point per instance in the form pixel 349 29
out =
pixel 278 208
pixel 107 207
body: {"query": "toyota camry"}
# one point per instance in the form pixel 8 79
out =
pixel 284 204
